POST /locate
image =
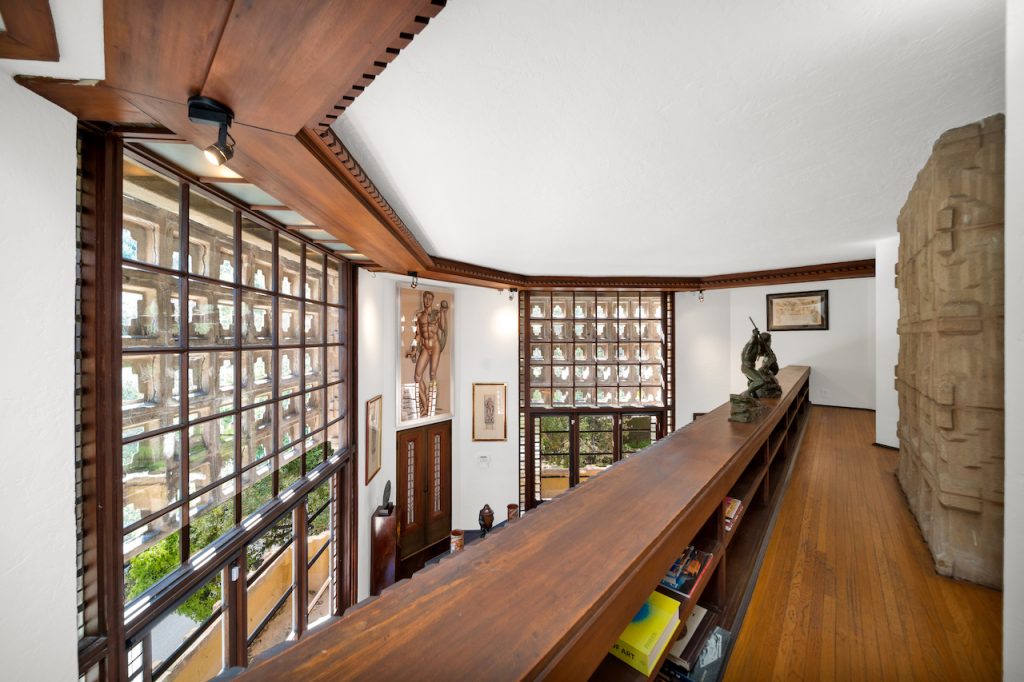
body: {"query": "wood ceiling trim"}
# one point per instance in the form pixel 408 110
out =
pixel 88 102
pixel 467 273
pixel 423 14
pixel 29 32
pixel 327 143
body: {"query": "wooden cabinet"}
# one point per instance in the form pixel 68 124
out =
pixel 424 473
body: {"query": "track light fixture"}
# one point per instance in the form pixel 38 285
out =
pixel 512 293
pixel 211 112
pixel 700 296
pixel 415 279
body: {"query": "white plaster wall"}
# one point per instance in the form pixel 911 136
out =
pixel 704 356
pixel 38 639
pixel 1013 544
pixel 887 341
pixel 485 349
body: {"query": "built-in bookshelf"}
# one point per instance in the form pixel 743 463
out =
pixel 726 587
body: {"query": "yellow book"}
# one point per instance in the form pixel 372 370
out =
pixel 643 640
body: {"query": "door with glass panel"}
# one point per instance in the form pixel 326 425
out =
pixel 570 448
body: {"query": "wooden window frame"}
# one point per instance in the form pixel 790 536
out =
pixel 106 634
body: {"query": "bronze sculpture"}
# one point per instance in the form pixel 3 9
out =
pixel 430 337
pixel 761 380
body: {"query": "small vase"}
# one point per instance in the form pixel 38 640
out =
pixel 513 513
pixel 458 541
pixel 486 519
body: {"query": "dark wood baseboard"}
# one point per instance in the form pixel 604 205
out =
pixel 887 447
pixel 844 407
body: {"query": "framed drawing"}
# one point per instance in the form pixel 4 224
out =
pixel 802 310
pixel 424 373
pixel 374 413
pixel 490 419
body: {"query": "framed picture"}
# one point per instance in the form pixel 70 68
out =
pixel 374 413
pixel 490 420
pixel 794 311
pixel 424 374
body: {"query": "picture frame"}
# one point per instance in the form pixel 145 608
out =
pixel 490 412
pixel 797 311
pixel 374 415
pixel 424 360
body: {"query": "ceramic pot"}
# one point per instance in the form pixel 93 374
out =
pixel 513 513
pixel 458 541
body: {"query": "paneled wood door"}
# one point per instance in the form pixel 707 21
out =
pixel 424 475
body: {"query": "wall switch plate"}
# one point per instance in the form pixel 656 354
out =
pixel 484 461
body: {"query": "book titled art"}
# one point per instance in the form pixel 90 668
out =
pixel 640 645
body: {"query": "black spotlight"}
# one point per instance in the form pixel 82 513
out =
pixel 210 111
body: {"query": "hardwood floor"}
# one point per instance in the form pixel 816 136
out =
pixel 848 590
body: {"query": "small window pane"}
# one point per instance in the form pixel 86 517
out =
pixel 211 238
pixel 334 318
pixel 211 451
pixel 289 263
pixel 592 465
pixel 290 329
pixel 333 356
pixel 314 364
pixel 151 475
pixel 257 376
pixel 314 275
pixel 151 553
pixel 257 433
pixel 289 370
pixel 202 659
pixel 150 231
pixel 333 281
pixel 257 255
pixel 291 467
pixel 314 410
pixel 150 391
pixel 211 314
pixel 211 383
pixel 211 515
pixel 257 487
pixel 335 402
pixel 313 325
pixel 290 414
pixel 149 309
pixel 257 319
pixel 554 476
pixel 270 596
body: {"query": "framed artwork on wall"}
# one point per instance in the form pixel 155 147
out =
pixel 490 418
pixel 798 311
pixel 374 414
pixel 425 326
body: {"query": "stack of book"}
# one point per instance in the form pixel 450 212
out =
pixel 732 510
pixel 642 642
pixel 702 657
pixel 687 571
pixel 683 654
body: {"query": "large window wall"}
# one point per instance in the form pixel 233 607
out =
pixel 596 381
pixel 230 436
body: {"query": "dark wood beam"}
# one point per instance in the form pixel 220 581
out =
pixel 28 32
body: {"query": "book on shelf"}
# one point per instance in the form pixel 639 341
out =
pixel 640 645
pixel 707 659
pixel 732 510
pixel 687 571
pixel 685 657
pixel 693 624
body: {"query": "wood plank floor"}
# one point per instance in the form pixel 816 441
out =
pixel 848 590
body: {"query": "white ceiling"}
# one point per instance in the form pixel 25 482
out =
pixel 79 28
pixel 593 137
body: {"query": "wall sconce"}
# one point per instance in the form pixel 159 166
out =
pixel 211 112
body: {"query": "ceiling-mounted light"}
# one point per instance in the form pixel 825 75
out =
pixel 700 296
pixel 415 278
pixel 512 293
pixel 211 112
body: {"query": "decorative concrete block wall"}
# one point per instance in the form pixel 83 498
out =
pixel 950 371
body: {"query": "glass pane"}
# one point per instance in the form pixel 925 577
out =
pixel 288 364
pixel 561 397
pixel 333 290
pixel 211 515
pixel 291 326
pixel 257 487
pixel 583 306
pixel 560 306
pixel 257 376
pixel 262 549
pixel 561 352
pixel 651 395
pixel 313 325
pixel 151 553
pixel 211 383
pixel 554 476
pixel 290 415
pixel 335 402
pixel 540 397
pixel 561 375
pixel 257 255
pixel 559 423
pixel 334 334
pixel 637 422
pixel 151 475
pixel 605 306
pixel 540 304
pixel 596 442
pixel 265 605
pixel 650 375
pixel 629 395
pixel 149 391
pixel 257 434
pixel 608 396
pixel 211 314
pixel 257 319
pixel 630 303
pixel 150 226
pixel 585 375
pixel 333 368
pixel 337 437
pixel 554 443
pixel 540 331
pixel 634 441
pixel 315 450
pixel 597 422
pixel 584 397
pixel 651 331
pixel 604 351
pixel 314 360
pixel 319 577
pixel 561 331
pixel 650 306
pixel 314 412
pixel 211 238
pixel 202 659
pixel 583 331
pixel 314 275
pixel 606 375
pixel 149 309
pixel 650 352
pixel 604 331
pixel 540 376
pixel 289 261
pixel 291 468
pixel 211 451
pixel 540 353
pixel 591 465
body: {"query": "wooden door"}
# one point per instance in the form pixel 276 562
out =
pixel 424 466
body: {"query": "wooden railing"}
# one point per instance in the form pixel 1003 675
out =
pixel 549 595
